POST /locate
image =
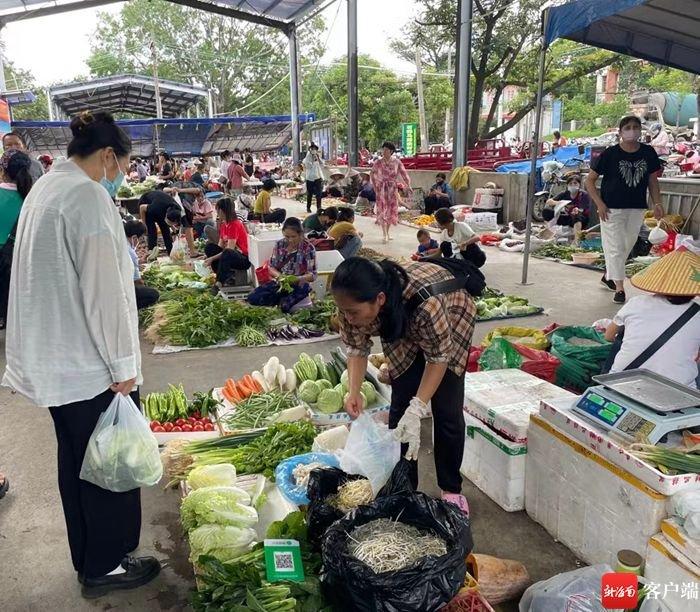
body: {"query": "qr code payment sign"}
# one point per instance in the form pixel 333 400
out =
pixel 284 562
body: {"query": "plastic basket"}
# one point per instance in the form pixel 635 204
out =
pixel 592 243
pixel 468 601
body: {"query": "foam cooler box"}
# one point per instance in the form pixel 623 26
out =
pixel 585 501
pixel 505 399
pixel 494 464
pixel 680 540
pixel 672 575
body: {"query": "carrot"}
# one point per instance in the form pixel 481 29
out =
pixel 227 394
pixel 243 389
pixel 233 391
pixel 251 384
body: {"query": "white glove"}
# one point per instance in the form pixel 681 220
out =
pixel 408 429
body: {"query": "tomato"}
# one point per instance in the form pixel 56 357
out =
pixel 180 422
pixel 192 420
pixel 205 420
pixel 168 426
pixel 187 427
pixel 177 429
pixel 198 427
pixel 208 427
pixel 197 415
pixel 158 429
pixel 155 423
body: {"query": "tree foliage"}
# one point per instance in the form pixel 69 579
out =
pixel 239 61
pixel 19 79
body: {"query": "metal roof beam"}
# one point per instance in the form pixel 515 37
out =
pixel 234 13
pixel 55 9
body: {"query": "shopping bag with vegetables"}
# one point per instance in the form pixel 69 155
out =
pixel 122 453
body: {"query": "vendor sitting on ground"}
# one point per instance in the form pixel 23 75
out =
pixel 262 209
pixel 457 239
pixel 292 268
pixel 336 186
pixel 145 296
pixel 674 285
pixel 322 220
pixel 575 214
pixel 440 195
pixel 202 214
pixel 348 241
pixel 231 252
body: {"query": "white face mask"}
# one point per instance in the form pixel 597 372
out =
pixel 631 135
pixel 573 189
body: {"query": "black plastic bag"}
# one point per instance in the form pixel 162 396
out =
pixel 351 586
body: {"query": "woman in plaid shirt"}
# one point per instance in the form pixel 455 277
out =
pixel 427 348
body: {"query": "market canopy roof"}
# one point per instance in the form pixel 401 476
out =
pixel 175 136
pixel 127 93
pixel 661 31
pixel 276 13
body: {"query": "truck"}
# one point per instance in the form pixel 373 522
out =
pixel 678 113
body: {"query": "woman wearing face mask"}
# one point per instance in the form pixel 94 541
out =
pixel 72 339
pixel 628 170
pixel 577 212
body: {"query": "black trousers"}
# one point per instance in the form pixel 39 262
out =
pixel 145 296
pixel 4 292
pixel 448 422
pixel 472 253
pixel 102 526
pixel 314 188
pixel 155 215
pixel 433 203
pixel 228 263
pixel 276 215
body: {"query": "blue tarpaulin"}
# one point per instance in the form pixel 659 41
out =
pixel 661 31
pixel 175 136
pixel 565 155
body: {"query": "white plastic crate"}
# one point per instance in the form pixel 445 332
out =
pixel 586 502
pixel 494 464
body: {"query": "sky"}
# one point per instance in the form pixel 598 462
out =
pixel 55 48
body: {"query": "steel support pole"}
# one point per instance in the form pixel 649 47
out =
pixel 294 93
pixel 353 105
pixel 210 103
pixel 460 139
pixel 534 152
pixel 3 85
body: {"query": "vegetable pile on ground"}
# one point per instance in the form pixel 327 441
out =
pixel 171 276
pixel 504 306
pixel 172 412
pixel 561 251
pixel 319 317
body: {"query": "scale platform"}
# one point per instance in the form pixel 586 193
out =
pixel 639 405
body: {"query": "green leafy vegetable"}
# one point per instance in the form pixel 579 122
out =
pixel 330 401
pixel 221 541
pixel 308 391
pixel 218 475
pixel 217 506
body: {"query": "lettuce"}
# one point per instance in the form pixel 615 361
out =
pixel 217 506
pixel 218 475
pixel 330 401
pixel 370 392
pixel 308 391
pixel 221 541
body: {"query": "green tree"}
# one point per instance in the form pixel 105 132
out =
pixel 505 52
pixel 245 65
pixel 19 79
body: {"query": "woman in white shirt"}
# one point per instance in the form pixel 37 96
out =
pixel 457 239
pixel 72 339
pixel 674 281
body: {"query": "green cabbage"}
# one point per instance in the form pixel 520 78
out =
pixel 224 542
pixel 344 380
pixel 330 401
pixel 218 506
pixel 370 392
pixel 322 384
pixel 339 388
pixel 308 391
pixel 217 475
pixel 362 395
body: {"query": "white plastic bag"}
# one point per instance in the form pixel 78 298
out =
pixel 371 450
pixel 657 235
pixel 686 506
pixel 179 251
pixel 122 453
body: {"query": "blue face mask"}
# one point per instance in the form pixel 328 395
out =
pixel 112 186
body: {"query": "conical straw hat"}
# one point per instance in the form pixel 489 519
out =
pixel 677 273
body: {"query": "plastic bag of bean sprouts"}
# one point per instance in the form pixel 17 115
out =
pixel 427 583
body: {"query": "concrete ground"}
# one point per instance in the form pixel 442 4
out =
pixel 36 573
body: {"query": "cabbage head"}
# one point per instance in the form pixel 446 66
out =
pixel 330 401
pixel 224 542
pixel 369 391
pixel 308 391
pixel 217 506
pixel 217 475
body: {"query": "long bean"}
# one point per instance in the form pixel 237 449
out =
pixel 256 410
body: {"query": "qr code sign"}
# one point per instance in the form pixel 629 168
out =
pixel 284 562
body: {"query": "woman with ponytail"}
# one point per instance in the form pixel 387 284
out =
pixel 15 183
pixel 425 319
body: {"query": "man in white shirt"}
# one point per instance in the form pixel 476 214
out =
pixel 313 173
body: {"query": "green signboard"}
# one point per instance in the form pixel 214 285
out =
pixel 409 138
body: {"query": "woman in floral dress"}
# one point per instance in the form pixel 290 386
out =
pixel 385 176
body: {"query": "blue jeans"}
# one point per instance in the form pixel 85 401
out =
pixel 352 245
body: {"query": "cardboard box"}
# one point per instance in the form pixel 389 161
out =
pixel 672 575
pixel 585 501
pixel 505 399
pixel 494 464
pixel 559 413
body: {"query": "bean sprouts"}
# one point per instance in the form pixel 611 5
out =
pixel 352 494
pixel 302 472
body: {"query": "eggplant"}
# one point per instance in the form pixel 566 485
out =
pixel 314 333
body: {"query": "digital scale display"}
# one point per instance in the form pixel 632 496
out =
pixel 602 408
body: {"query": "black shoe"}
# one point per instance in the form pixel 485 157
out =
pixel 139 571
pixel 620 297
pixel 609 285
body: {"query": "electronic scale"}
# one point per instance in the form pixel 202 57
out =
pixel 639 404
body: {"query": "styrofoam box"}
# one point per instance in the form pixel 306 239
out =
pixel 559 413
pixel 583 500
pixel 674 575
pixel 680 540
pixel 505 399
pixel 494 464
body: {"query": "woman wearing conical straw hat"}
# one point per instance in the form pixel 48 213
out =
pixel 673 286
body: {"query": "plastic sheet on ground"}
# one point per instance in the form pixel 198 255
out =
pixel 167 349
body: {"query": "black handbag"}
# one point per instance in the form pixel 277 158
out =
pixel 7 250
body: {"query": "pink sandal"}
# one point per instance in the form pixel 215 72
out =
pixel 458 500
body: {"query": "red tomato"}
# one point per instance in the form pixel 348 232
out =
pixel 197 415
pixel 187 427
pixel 208 427
pixel 155 423
pixel 192 420
pixel 180 422
pixel 206 420
pixel 168 426
pixel 158 429
pixel 198 427
pixel 177 429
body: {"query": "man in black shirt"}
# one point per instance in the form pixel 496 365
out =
pixel 628 169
